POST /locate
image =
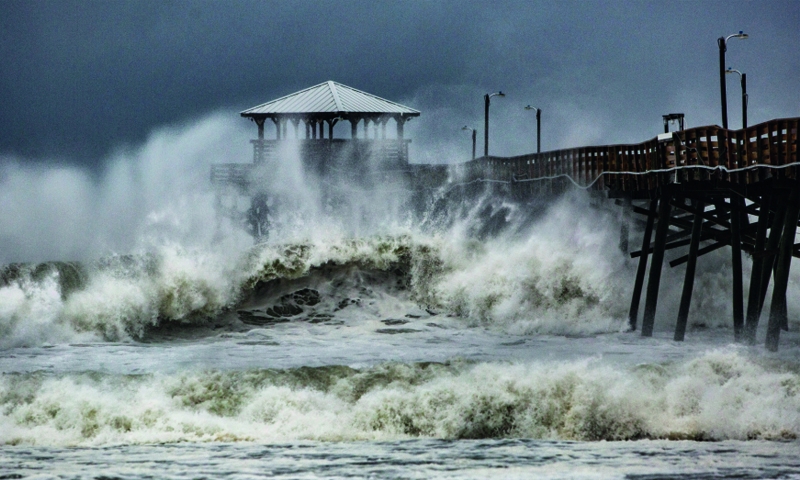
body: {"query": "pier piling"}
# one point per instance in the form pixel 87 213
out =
pixel 688 281
pixel 737 205
pixel 662 229
pixel 778 314
pixel 754 297
pixel 642 268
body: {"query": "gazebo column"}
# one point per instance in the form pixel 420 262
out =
pixel 331 123
pixel 366 128
pixel 277 128
pixel 296 124
pixel 353 128
pixel 400 124
pixel 260 122
pixel 258 146
pixel 308 129
pixel 321 129
pixel 383 127
pixel 284 122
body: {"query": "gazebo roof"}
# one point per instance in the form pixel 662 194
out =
pixel 329 99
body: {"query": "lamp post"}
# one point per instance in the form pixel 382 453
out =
pixel 538 127
pixel 743 81
pixel 486 121
pixel 474 134
pixel 722 42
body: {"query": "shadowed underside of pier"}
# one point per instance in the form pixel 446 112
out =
pixel 701 189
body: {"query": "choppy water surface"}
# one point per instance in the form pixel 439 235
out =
pixel 511 458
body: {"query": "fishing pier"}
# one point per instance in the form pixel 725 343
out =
pixel 697 190
pixel 703 189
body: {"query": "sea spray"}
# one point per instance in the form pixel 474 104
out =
pixel 116 297
pixel 30 302
pixel 563 274
pixel 722 394
pixel 158 190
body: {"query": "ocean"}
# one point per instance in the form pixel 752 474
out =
pixel 469 339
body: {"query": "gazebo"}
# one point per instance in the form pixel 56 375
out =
pixel 327 104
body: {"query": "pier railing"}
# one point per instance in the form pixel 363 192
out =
pixel 390 151
pixel 697 154
pixel 705 153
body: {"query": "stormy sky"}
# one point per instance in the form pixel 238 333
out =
pixel 80 79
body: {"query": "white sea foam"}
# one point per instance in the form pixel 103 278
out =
pixel 722 394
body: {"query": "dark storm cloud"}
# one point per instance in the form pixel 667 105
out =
pixel 81 78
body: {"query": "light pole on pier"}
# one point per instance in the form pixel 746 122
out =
pixel 538 127
pixel 474 134
pixel 722 42
pixel 743 81
pixel 486 120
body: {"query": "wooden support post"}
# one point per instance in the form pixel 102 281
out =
pixel 640 271
pixel 353 128
pixel 754 296
pixel 777 313
pixel 772 246
pixel 653 282
pixel 624 228
pixel 688 280
pixel 737 206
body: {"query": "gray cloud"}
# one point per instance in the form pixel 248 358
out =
pixel 80 78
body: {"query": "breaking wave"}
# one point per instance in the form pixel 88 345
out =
pixel 720 395
pixel 534 284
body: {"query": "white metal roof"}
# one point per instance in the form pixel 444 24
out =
pixel 329 97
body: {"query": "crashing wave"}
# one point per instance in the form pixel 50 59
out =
pixel 719 395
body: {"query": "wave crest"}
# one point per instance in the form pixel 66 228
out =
pixel 719 395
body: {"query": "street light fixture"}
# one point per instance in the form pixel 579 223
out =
pixel 474 134
pixel 743 81
pixel 486 120
pixel 722 42
pixel 538 127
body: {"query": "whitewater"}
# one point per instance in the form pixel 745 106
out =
pixel 143 334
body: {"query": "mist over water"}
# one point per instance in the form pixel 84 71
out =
pixel 146 195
